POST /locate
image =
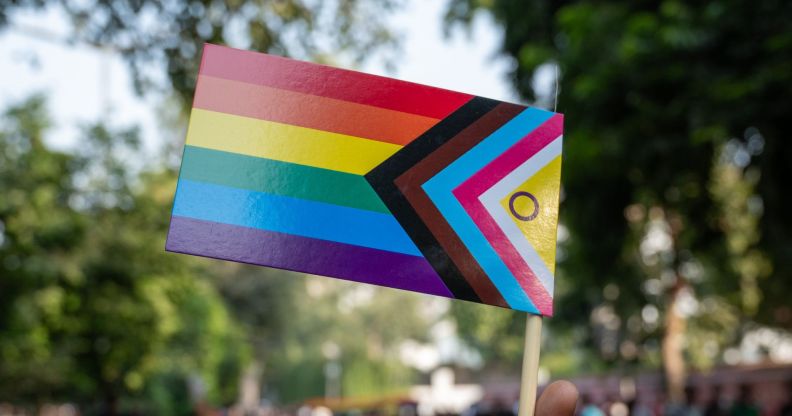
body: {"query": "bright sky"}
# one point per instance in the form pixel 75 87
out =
pixel 82 83
pixel 466 62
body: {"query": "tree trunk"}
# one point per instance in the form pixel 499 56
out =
pixel 674 367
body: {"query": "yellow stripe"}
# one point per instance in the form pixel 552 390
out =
pixel 286 143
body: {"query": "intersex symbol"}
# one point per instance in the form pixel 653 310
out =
pixel 514 212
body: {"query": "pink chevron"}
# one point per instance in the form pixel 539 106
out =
pixel 469 191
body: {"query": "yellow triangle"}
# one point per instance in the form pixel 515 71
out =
pixel 541 231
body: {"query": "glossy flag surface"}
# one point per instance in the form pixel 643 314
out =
pixel 338 173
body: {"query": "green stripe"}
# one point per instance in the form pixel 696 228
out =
pixel 279 178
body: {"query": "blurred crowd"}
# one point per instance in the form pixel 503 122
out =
pixel 728 391
pixel 709 401
pixel 717 404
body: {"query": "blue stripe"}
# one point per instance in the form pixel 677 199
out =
pixel 289 215
pixel 440 187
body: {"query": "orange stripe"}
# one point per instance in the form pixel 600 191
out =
pixel 311 111
pixel 307 78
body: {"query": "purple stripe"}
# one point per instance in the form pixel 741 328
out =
pixel 301 254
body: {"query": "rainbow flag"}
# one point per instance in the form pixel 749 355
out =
pixel 326 171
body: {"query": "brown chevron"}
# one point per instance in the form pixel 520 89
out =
pixel 409 183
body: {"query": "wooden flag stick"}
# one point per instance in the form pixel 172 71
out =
pixel 530 367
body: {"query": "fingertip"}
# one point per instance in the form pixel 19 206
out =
pixel 559 398
pixel 565 388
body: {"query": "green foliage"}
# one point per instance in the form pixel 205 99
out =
pixel 481 325
pixel 358 326
pixel 92 309
pixel 169 35
pixel 675 162
pixel 106 317
pixel 37 230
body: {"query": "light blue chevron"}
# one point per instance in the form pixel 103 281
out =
pixel 440 187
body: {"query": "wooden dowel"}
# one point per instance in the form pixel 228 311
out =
pixel 530 367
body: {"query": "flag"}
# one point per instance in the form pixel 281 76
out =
pixel 338 173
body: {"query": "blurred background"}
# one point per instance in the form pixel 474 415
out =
pixel 674 287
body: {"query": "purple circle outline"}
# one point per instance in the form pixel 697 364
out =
pixel 535 212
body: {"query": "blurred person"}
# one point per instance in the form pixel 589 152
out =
pixel 745 406
pixel 588 407
pixel 516 402
pixel 411 409
pixel 501 408
pixel 786 410
pixel 658 406
pixel 637 408
pixel 480 408
pixel 688 408
pixel 715 406
pixel 617 407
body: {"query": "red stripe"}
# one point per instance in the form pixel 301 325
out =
pixel 308 78
pixel 311 111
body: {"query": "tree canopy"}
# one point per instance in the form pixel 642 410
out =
pixel 106 317
pixel 155 35
pixel 674 162
pixel 673 215
pixel 92 309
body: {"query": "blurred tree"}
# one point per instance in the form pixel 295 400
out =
pixel 169 35
pixel 674 169
pixel 117 258
pixel 299 325
pixel 91 308
pixel 95 312
pixel 142 324
pixel 38 233
pixel 480 325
